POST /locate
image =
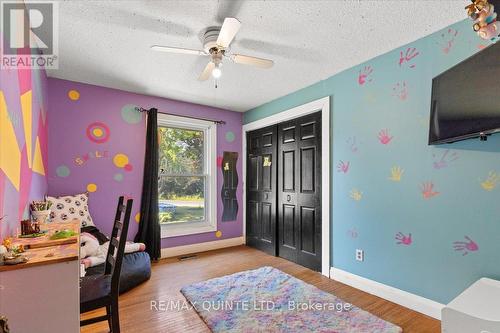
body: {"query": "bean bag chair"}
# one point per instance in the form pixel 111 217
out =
pixel 136 267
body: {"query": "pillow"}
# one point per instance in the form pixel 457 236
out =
pixel 69 207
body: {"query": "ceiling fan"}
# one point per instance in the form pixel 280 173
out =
pixel 216 45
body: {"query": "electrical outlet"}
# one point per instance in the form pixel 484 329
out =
pixel 360 255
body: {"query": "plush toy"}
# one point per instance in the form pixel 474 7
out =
pixel 93 254
pixel 491 31
pixel 485 19
pixel 89 245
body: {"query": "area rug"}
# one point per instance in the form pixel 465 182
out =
pixel 268 300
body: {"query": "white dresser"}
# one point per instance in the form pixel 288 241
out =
pixel 476 310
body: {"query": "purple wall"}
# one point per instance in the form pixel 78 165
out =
pixel 23 144
pixel 79 161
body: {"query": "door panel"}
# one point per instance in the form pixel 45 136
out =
pixel 288 171
pixel 307 169
pixel 307 230
pixel 267 223
pixel 289 226
pixel 299 194
pixel 267 172
pixel 261 189
pixel 252 215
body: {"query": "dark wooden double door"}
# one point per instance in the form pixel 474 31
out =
pixel 283 190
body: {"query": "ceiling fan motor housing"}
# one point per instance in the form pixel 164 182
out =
pixel 210 40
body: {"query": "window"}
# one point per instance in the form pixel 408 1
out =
pixel 187 176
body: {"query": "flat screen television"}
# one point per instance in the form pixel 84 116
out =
pixel 465 99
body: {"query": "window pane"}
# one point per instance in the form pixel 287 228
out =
pixel 181 151
pixel 182 199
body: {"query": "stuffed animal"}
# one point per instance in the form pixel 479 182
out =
pixel 89 245
pixel 491 31
pixel 93 254
pixel 485 19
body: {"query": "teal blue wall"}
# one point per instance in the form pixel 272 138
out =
pixel 430 266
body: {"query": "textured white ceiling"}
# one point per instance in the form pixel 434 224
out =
pixel 108 43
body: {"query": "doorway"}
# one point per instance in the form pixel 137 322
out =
pixel 284 190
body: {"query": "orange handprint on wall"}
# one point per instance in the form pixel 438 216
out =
pixel 428 190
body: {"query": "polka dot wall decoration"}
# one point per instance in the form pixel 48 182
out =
pixel 63 171
pixel 128 167
pixel 73 95
pixel 98 132
pixel 120 160
pixel 137 217
pixel 91 187
pixel 230 136
pixel 218 234
pixel 131 115
pixel 118 177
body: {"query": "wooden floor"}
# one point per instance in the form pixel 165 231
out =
pixel 169 275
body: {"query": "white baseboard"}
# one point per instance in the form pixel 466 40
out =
pixel 176 251
pixel 406 299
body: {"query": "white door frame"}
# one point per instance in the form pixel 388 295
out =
pixel 323 105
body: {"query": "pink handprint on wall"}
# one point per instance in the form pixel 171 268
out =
pixel 445 160
pixel 447 40
pixel 384 137
pixel 403 239
pixel 351 141
pixel 465 247
pixel 428 190
pixel 343 166
pixel 408 56
pixel 364 74
pixel 400 91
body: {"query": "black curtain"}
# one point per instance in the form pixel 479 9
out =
pixel 149 226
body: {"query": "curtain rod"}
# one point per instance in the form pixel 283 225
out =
pixel 218 122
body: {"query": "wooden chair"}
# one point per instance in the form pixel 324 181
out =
pixel 98 291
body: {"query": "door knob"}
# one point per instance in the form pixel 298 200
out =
pixel 288 198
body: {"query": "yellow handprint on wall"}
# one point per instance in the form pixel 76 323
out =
pixel 356 194
pixel 491 182
pixel 396 174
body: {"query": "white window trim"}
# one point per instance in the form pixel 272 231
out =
pixel 210 223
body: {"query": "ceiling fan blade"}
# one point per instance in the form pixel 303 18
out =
pixel 253 61
pixel 229 29
pixel 206 72
pixel 179 50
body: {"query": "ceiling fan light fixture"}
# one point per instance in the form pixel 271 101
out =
pixel 217 72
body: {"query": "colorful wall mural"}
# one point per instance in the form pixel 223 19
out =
pixel 23 144
pixel 97 143
pixel 427 217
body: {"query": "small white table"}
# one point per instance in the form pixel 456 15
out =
pixel 476 310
